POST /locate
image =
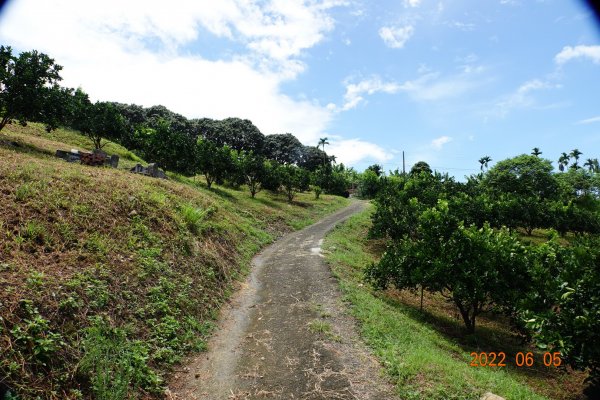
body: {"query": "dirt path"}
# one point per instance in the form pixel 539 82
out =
pixel 285 334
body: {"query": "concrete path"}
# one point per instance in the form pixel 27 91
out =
pixel 286 333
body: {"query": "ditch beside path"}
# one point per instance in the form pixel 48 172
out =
pixel 286 333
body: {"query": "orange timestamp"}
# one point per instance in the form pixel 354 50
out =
pixel 493 359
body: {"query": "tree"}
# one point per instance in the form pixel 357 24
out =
pixel 291 180
pixel 563 306
pixel 592 164
pixel 484 161
pixel 26 82
pixel 575 153
pixel 522 187
pixel 473 267
pixel 376 168
pixel 212 161
pixel 536 152
pixel 323 142
pixel 238 134
pixel 368 184
pixel 563 161
pixel 420 167
pixel 312 158
pixel 253 169
pixel 284 148
pixel 172 150
pixel 98 121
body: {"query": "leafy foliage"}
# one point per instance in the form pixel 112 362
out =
pixel 28 86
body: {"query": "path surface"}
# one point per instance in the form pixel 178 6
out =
pixel 286 334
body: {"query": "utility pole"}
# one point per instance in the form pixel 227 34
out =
pixel 403 164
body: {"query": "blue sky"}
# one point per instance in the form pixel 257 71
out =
pixel 446 81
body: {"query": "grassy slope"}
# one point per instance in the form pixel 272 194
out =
pixel 107 278
pixel 420 351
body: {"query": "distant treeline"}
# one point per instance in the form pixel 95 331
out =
pixel 232 150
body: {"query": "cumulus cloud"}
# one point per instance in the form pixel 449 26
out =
pixel 569 53
pixel 141 52
pixel 396 37
pixel 351 151
pixel 438 143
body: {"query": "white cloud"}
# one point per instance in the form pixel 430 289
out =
pixel 523 97
pixel 355 91
pixel 139 51
pixel 351 151
pixel 463 26
pixel 412 3
pixel 589 120
pixel 427 87
pixel 396 37
pixel 440 142
pixel 569 53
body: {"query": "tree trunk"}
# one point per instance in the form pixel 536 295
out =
pixel 4 122
pixel 468 317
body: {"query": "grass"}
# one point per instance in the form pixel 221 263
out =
pixel 426 354
pixel 107 278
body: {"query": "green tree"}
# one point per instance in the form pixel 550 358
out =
pixel 563 161
pixel 254 170
pixel 523 186
pixel 536 152
pixel 592 164
pixel 563 308
pixel 312 158
pixel 473 267
pixel 575 154
pixel 484 161
pixel 291 180
pixel 238 134
pixel 284 148
pixel 323 142
pixel 26 83
pixel 376 168
pixel 419 167
pixel 212 161
pixel 369 184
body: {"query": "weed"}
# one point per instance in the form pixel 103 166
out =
pixel 67 234
pixel 319 326
pixel 116 366
pixel 95 243
pixel 34 231
pixel 24 192
pixel 35 279
pixel 194 217
pixel 34 339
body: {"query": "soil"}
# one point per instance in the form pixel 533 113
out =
pixel 286 333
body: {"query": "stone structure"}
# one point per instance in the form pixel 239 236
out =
pixel 96 158
pixel 151 170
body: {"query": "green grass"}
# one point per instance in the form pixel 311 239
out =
pixel 110 278
pixel 420 360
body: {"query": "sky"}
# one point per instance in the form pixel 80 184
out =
pixel 444 81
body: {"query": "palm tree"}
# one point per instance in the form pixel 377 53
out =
pixel 484 162
pixel 563 161
pixel 323 142
pixel 575 153
pixel 592 164
pixel 536 151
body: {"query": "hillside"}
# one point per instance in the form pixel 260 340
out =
pixel 108 278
